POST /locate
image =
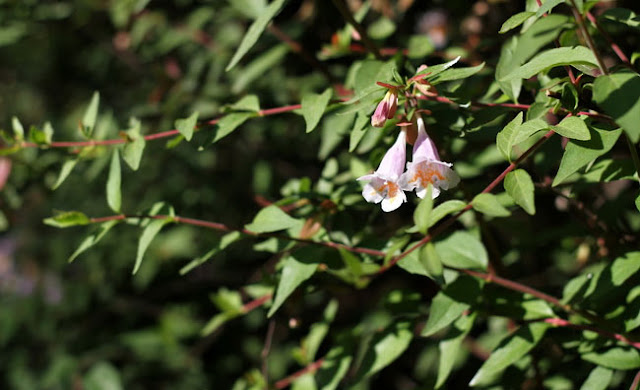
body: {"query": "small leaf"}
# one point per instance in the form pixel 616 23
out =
pixel 619 96
pixel 114 196
pixel 510 351
pixel 617 358
pixel 515 20
pixel 506 138
pixel 224 242
pixel 102 376
pixel 444 209
pixel 462 250
pixel 66 219
pixel 488 204
pixel 529 128
pixel 313 106
pixel 419 46
pixel 254 31
pixel 519 186
pixel 638 202
pixel 90 115
pixel 381 28
pixel 450 347
pixel 18 130
pixel 578 55
pixel 186 126
pixel 334 367
pixel 577 154
pixel 93 239
pixel 547 6
pixel 229 123
pixel 132 151
pixel 385 348
pixel 598 379
pixel 449 304
pixel 455 74
pixel 67 167
pixel 148 234
pixel 573 127
pixel 297 268
pixel 247 103
pixel 271 219
pixel 422 212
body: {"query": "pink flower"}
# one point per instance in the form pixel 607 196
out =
pixel 426 168
pixel 383 184
pixel 386 108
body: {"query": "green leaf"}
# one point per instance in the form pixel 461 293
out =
pixel 419 46
pixel 423 211
pixel 449 304
pixel 577 154
pixel 18 130
pixel 529 128
pixel 93 239
pixel 547 6
pixel 619 96
pixel 617 358
pixel 515 20
pixel 250 8
pixel 66 169
pixel 313 106
pixel 41 137
pixel 132 151
pixel 444 209
pixel 488 204
pixel 186 126
pixel 359 130
pixel 548 59
pixel 386 347
pixel 638 202
pixel 254 31
pixel 573 127
pixel 229 123
pixel 67 219
pixel 102 376
pixel 624 267
pixel 510 351
pixel 271 219
pixel 114 196
pixel 298 267
pixel 621 15
pixel 224 242
pixel 451 346
pixel 148 234
pixel 247 103
pixel 462 250
pixel 381 28
pixel 506 138
pixel 334 367
pixel 456 74
pixel 598 379
pixel 90 115
pixel 519 186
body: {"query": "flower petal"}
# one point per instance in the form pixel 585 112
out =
pixel 424 148
pixel 392 203
pixel 392 164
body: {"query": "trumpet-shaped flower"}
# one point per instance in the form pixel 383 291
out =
pixel 427 168
pixel 383 184
pixel 386 108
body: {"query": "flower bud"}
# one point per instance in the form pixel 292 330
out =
pixel 386 108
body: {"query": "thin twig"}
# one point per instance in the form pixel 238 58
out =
pixel 614 46
pixel 267 347
pixel 587 37
pixel 311 368
pixel 611 335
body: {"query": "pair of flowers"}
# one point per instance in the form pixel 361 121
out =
pixel 387 184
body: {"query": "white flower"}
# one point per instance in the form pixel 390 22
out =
pixel 383 184
pixel 426 167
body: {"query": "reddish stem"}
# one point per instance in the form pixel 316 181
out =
pixel 616 49
pixel 256 303
pixel 284 383
pixel 611 335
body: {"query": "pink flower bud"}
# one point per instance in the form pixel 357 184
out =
pixel 386 108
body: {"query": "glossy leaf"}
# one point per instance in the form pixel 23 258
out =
pixel 572 127
pixel 510 351
pixel 462 250
pixel 619 96
pixel 187 126
pixel 229 123
pixel 386 347
pixel 90 115
pixel 449 304
pixel 148 234
pixel 451 345
pixel 313 107
pixel 515 20
pixel 548 59
pixel 271 219
pixel 422 213
pixel 444 209
pixel 506 138
pixel 598 379
pixel 577 154
pixel 132 151
pixel 617 358
pixel 67 219
pixel 66 169
pixel 255 30
pixel 296 269
pixel 93 239
pixel 488 204
pixel 114 195
pixel 102 376
pixel 519 186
